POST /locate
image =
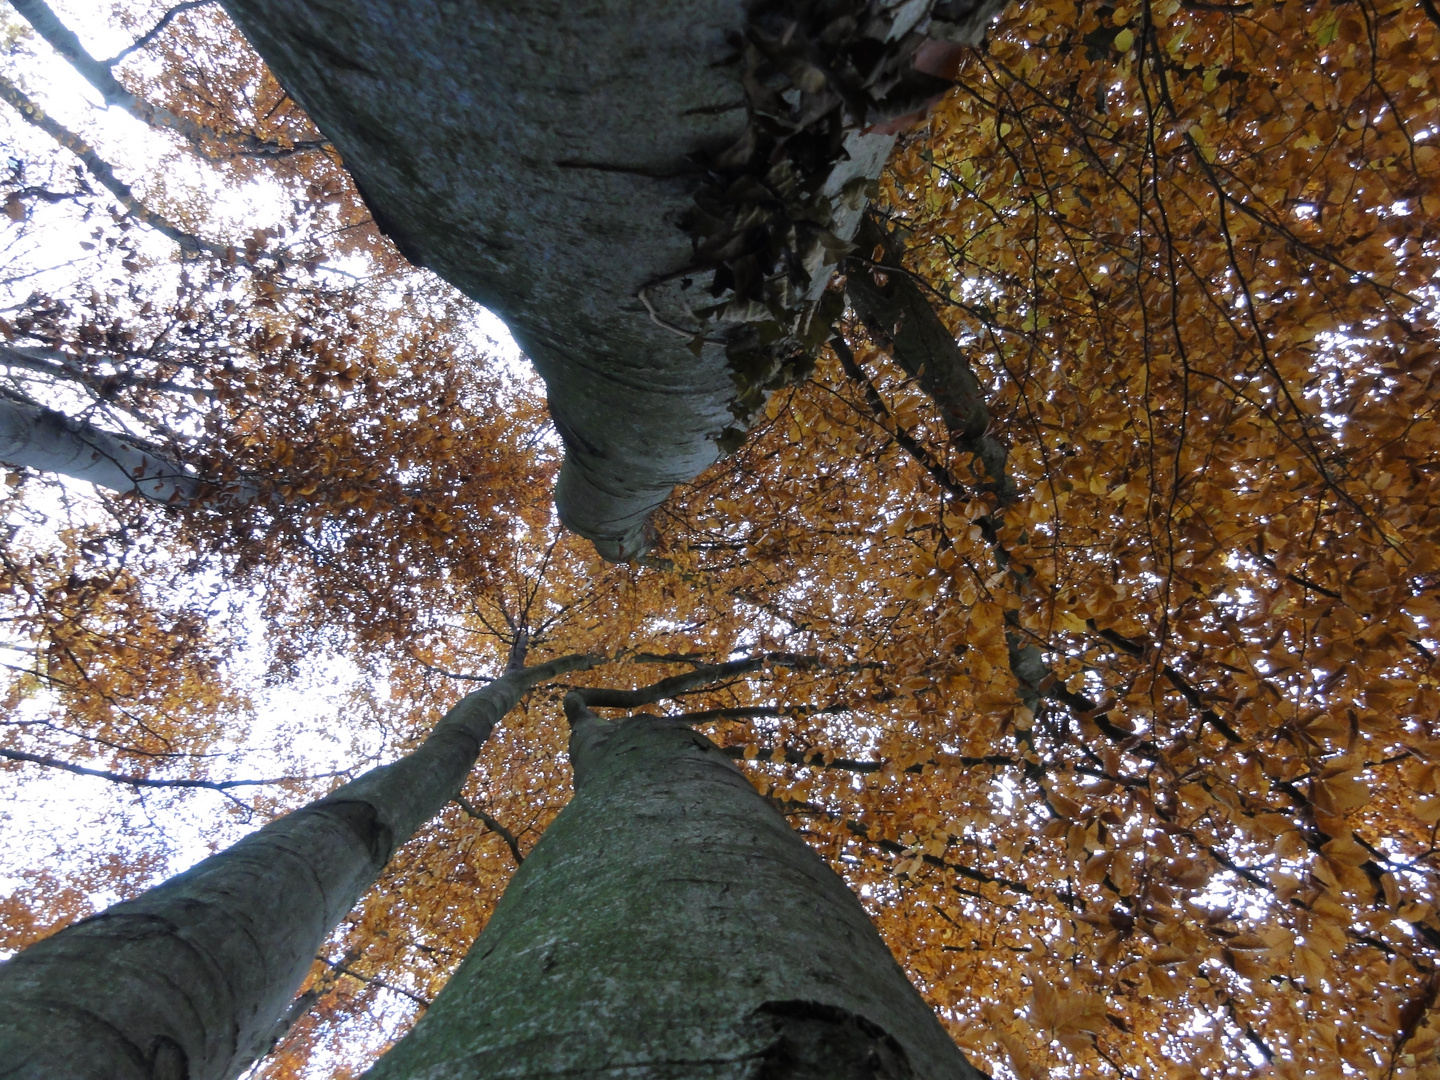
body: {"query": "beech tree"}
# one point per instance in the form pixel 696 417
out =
pixel 1086 484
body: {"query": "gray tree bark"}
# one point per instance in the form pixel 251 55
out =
pixel 189 980
pixel 651 193
pixel 40 438
pixel 669 924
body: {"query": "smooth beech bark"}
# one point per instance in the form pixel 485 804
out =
pixel 544 157
pixel 671 924
pixel 190 980
pixel 532 152
pixel 43 439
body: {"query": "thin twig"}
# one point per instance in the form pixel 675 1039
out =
pixel 145 781
pixel 100 169
pixel 345 969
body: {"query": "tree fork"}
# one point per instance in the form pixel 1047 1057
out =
pixel 668 924
pixel 188 980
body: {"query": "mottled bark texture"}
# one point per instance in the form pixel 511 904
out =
pixel 189 980
pixel 651 193
pixel 670 924
pixel 40 438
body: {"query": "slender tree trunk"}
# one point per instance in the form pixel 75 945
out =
pixel 188 981
pixel 902 316
pixel 43 439
pixel 670 924
pixel 101 75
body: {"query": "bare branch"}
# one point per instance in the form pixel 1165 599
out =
pixel 815 759
pixel 100 169
pixel 600 697
pixel 748 712
pixel 59 365
pixel 901 316
pixel 372 980
pixel 438 670
pixel 493 825
pixel 894 848
pixel 880 414
pixel 155 31
pixel 666 658
pixel 145 781
pixel 100 75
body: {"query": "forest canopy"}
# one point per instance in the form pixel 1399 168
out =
pixel 1095 552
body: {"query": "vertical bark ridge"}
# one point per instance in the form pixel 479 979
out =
pixel 188 980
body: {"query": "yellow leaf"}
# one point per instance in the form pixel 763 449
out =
pixel 1340 793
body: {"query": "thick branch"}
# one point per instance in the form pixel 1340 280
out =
pixel 901 316
pixel 40 438
pixel 547 183
pixel 600 697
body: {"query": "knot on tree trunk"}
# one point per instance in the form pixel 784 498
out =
pixel 815 1041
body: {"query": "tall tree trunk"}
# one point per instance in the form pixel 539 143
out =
pixel 670 924
pixel 188 980
pixel 50 441
pixel 651 193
